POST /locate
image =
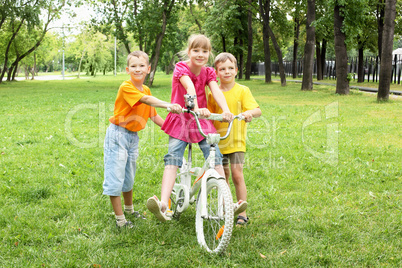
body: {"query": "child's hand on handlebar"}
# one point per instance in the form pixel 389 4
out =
pixel 247 116
pixel 203 112
pixel 227 116
pixel 174 108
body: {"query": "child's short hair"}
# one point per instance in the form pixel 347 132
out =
pixel 137 53
pixel 224 56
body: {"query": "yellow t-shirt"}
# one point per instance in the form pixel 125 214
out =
pixel 128 111
pixel 239 99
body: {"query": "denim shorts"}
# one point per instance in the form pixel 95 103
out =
pixel 120 155
pixel 176 151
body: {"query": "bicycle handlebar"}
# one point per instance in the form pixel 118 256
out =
pixel 213 116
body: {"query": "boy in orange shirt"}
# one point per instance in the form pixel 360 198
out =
pixel 131 112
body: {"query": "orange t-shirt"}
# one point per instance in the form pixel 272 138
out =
pixel 129 112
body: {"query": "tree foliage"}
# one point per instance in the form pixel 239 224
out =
pixel 259 31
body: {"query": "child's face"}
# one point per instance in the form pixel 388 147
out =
pixel 226 72
pixel 138 69
pixel 198 56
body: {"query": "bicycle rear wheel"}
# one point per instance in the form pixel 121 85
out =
pixel 215 230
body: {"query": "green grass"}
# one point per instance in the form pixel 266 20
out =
pixel 316 198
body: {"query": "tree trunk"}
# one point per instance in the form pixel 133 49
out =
pixel 380 24
pixel 7 50
pixel 195 18
pixel 323 55
pixel 249 39
pixel 34 67
pixel 360 67
pixel 120 33
pixel 168 5
pixel 79 65
pixel 264 12
pixel 341 57
pixel 170 67
pixel 223 43
pixel 318 60
pixel 14 73
pixel 308 65
pixel 386 55
pixel 280 58
pixel 295 45
pixel 140 37
pixel 241 60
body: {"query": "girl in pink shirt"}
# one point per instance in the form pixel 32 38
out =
pixel 189 77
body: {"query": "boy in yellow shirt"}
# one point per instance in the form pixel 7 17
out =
pixel 131 112
pixel 240 100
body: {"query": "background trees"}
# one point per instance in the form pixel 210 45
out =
pixel 262 31
pixel 23 25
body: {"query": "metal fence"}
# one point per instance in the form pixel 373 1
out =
pixel 371 68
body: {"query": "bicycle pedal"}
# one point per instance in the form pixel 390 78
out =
pixel 169 213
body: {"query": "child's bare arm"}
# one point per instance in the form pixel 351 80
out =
pixel 157 120
pixel 155 102
pixel 220 100
pixel 250 114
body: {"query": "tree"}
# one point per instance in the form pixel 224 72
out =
pixel 297 19
pixel 28 12
pixel 112 15
pixel 308 66
pixel 47 52
pixel 279 54
pixel 324 34
pixel 386 53
pixel 341 57
pixel 249 38
pixel 380 24
pixel 166 13
pixel 265 6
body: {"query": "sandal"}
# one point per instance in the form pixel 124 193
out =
pixel 137 214
pixel 155 206
pixel 127 224
pixel 241 220
pixel 239 207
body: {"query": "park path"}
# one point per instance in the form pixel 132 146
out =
pixel 361 88
pixel 44 77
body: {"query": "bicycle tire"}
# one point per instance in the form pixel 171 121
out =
pixel 210 233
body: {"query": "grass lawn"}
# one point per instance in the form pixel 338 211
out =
pixel 323 172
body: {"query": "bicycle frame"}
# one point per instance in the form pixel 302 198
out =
pixel 202 174
pixel 214 209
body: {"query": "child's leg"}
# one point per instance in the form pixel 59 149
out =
pixel 168 180
pixel 116 204
pixel 128 198
pixel 173 159
pixel 238 181
pixel 226 167
pixel 236 166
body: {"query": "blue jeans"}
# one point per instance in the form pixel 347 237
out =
pixel 176 151
pixel 120 155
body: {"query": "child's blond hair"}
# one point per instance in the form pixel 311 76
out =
pixel 138 54
pixel 197 41
pixel 224 56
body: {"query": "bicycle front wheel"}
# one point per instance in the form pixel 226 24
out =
pixel 215 229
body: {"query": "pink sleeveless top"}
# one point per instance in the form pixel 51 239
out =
pixel 183 126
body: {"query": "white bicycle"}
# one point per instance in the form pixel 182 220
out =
pixel 214 204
